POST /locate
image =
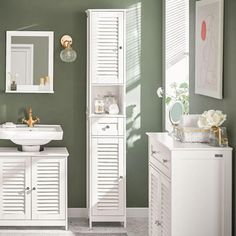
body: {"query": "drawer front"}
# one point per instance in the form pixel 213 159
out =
pixel 160 156
pixel 107 126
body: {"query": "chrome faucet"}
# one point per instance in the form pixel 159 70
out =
pixel 31 121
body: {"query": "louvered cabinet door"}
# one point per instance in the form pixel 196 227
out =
pixel 154 200
pixel 107 47
pixel 165 206
pixel 15 182
pixel 48 188
pixel 159 204
pixel 107 176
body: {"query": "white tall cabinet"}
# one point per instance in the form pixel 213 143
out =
pixel 190 188
pixel 33 187
pixel 106 152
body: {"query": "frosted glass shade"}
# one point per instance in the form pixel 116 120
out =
pixel 68 55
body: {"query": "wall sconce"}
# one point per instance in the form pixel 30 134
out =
pixel 67 54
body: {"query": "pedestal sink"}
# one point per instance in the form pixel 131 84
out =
pixel 31 138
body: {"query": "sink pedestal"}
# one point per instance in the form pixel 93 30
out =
pixel 30 148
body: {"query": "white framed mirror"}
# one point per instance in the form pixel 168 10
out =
pixel 29 61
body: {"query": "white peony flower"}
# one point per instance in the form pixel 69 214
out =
pixel 202 122
pixel 211 118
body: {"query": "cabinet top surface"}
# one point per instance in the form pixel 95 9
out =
pixel 105 10
pixel 172 144
pixel 49 151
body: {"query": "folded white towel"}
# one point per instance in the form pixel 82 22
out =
pixel 9 125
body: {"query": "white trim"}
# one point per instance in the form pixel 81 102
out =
pixel 131 212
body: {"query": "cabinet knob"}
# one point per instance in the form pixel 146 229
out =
pixel 120 47
pixel 27 188
pixel 121 177
pixel 164 160
pixel 33 188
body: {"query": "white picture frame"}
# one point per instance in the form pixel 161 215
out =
pixel 209 48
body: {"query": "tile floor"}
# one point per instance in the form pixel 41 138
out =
pixel 79 227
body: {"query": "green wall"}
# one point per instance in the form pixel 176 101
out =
pixel 67 105
pixel 199 103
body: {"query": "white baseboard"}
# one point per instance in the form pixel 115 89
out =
pixel 130 211
pixel 77 212
pixel 137 212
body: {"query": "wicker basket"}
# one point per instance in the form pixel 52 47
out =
pixel 192 134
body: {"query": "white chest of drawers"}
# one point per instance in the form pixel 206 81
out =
pixel 190 187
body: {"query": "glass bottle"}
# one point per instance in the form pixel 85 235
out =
pixel 13 86
pixel 99 106
pixel 111 106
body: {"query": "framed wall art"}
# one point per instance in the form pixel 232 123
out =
pixel 209 48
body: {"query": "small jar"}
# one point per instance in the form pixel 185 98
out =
pixel 218 137
pixel 99 106
pixel 109 100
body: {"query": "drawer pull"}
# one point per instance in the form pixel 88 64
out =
pixel 106 127
pixel 158 223
pixel 155 152
pixel 219 155
pixel 164 160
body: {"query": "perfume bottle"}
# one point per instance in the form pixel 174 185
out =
pixel 99 105
pixel 13 86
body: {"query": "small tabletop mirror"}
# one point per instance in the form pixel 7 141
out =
pixel 175 115
pixel 29 62
pixel 176 112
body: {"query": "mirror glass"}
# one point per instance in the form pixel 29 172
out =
pixel 29 62
pixel 176 113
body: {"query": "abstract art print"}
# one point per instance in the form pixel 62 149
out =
pixel 209 48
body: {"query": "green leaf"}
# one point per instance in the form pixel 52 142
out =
pixel 168 100
pixel 184 85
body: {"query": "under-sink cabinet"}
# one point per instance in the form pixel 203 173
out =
pixel 33 187
pixel 190 188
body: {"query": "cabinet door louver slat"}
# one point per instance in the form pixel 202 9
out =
pixel 108 197
pixel 14 200
pixel 48 183
pixel 107 48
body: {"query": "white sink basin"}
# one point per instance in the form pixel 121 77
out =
pixel 31 138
